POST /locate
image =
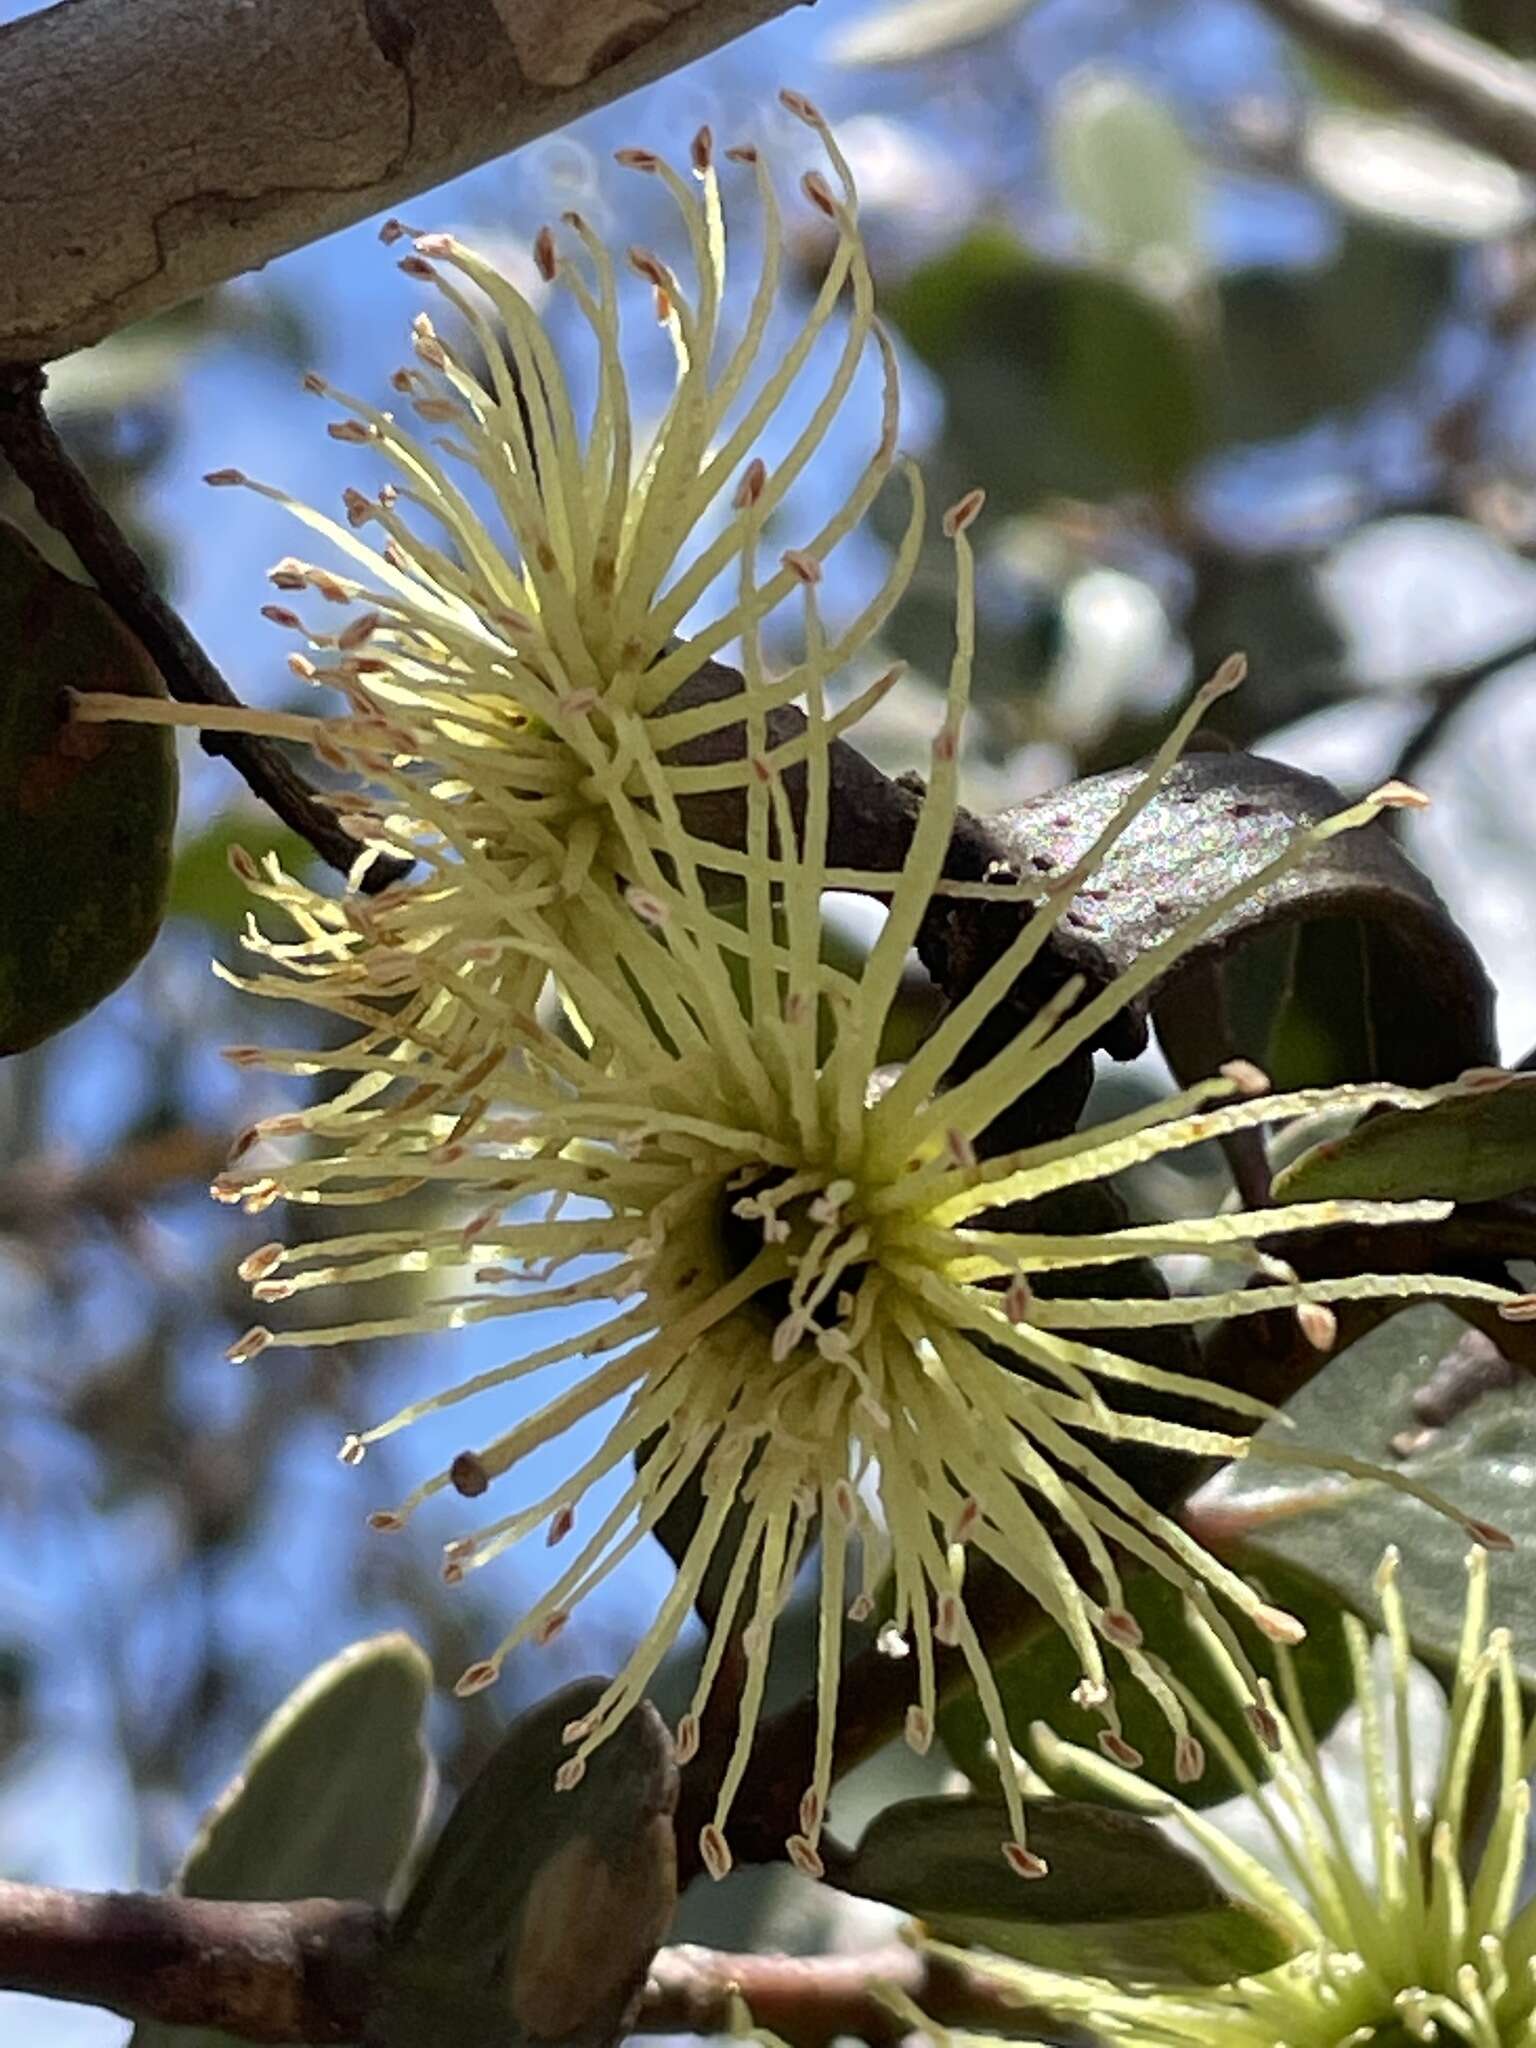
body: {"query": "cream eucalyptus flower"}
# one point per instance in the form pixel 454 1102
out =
pixel 1419 1931
pixel 789 1279
pixel 529 595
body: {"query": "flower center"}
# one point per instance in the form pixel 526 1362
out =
pixel 812 1222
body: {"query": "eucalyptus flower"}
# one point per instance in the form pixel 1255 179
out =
pixel 1421 1931
pixel 530 595
pixel 790 1279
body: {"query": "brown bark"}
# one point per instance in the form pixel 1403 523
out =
pixel 153 150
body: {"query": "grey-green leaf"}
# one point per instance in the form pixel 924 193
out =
pixel 1423 1392
pixel 1121 1900
pixel 329 1801
pixel 538 1912
pixel 1474 1147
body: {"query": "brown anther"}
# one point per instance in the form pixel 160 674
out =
pixel 714 1851
pixel 222 478
pixel 1121 1628
pixel 476 1679
pixel 742 153
pixel 258 1264
pixel 288 574
pixel 802 565
pixel 353 1451
pixel 357 431
pixel 819 193
pixel 386 1521
pixel 637 159
pixel 359 630
pixel 1119 1751
pixel 1188 1760
pixel 964 513
pixel 803 109
pixel 280 615
pixel 702 150
pixel 1024 1862
pixel 750 489
pixel 651 268
pixel 255 1339
pixel 414 266
pixel 1490 1535
pixel 561 1523
pixel 436 245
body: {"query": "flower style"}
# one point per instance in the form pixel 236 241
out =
pixel 1418 1935
pixel 787 1279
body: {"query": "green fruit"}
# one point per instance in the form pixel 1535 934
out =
pixel 87 812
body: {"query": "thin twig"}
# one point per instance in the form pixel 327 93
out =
pixel 308 1970
pixel 64 497
pixel 810 2000
pixel 1486 98
pixel 1448 693
pixel 288 1971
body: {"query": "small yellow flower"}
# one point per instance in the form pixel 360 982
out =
pixel 1417 1933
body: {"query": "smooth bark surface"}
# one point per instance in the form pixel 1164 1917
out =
pixel 149 151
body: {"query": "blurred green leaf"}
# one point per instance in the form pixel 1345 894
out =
pixel 1299 344
pixel 86 811
pixel 1122 1900
pixel 332 1792
pixel 1473 1148
pixel 908 29
pixel 1408 175
pixel 1055 379
pixel 1508 24
pixel 1036 1684
pixel 202 883
pixel 537 1914
pixel 1125 166
pixel 328 1802
pixel 1337 1529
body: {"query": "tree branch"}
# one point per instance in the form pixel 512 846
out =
pixel 299 1971
pixel 810 2000
pixel 289 120
pixel 1483 96
pixel 305 1971
pixel 64 497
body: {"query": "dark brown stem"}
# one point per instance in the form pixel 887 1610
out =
pixel 1479 93
pixel 293 1971
pixel 64 497
pixel 306 1970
